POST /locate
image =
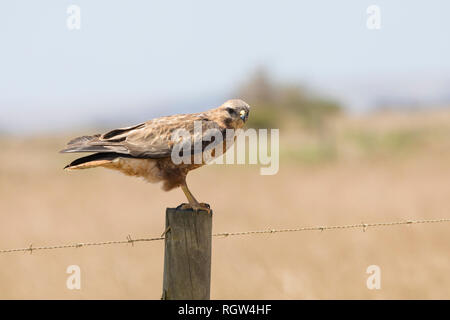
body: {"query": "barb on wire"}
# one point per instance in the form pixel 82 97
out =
pixel 130 240
pixel 81 244
pixel 363 226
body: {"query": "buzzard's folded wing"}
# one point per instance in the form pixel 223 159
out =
pixel 151 139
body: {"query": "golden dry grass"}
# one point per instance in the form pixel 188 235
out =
pixel 42 204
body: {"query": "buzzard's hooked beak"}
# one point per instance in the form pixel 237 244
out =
pixel 243 115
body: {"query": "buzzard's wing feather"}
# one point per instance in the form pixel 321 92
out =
pixel 151 139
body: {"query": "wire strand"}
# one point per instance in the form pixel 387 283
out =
pixel 129 240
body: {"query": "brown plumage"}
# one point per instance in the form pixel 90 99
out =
pixel 145 150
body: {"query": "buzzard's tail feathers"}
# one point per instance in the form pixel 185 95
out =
pixel 94 160
pixel 94 148
pixel 83 140
pixel 94 144
pixel 81 144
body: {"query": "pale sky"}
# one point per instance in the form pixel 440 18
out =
pixel 142 58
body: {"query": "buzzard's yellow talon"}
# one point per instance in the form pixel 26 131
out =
pixel 202 207
pixel 195 207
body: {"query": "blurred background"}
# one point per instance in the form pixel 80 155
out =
pixel 364 123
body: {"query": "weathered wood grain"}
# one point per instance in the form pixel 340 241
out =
pixel 187 256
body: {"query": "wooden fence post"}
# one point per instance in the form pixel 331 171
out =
pixel 187 255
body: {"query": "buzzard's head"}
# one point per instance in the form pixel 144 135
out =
pixel 236 113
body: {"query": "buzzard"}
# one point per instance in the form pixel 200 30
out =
pixel 145 150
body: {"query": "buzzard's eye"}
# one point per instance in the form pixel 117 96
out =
pixel 231 111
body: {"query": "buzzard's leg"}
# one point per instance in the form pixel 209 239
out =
pixel 193 203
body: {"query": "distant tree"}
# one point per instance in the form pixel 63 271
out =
pixel 273 104
pixel 258 89
pixel 260 93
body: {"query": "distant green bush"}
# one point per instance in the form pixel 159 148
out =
pixel 390 142
pixel 274 104
pixel 311 154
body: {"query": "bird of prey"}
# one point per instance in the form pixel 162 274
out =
pixel 144 150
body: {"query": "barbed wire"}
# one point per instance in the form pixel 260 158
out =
pixel 362 226
pixel 130 240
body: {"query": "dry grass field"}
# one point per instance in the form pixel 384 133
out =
pixel 381 167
